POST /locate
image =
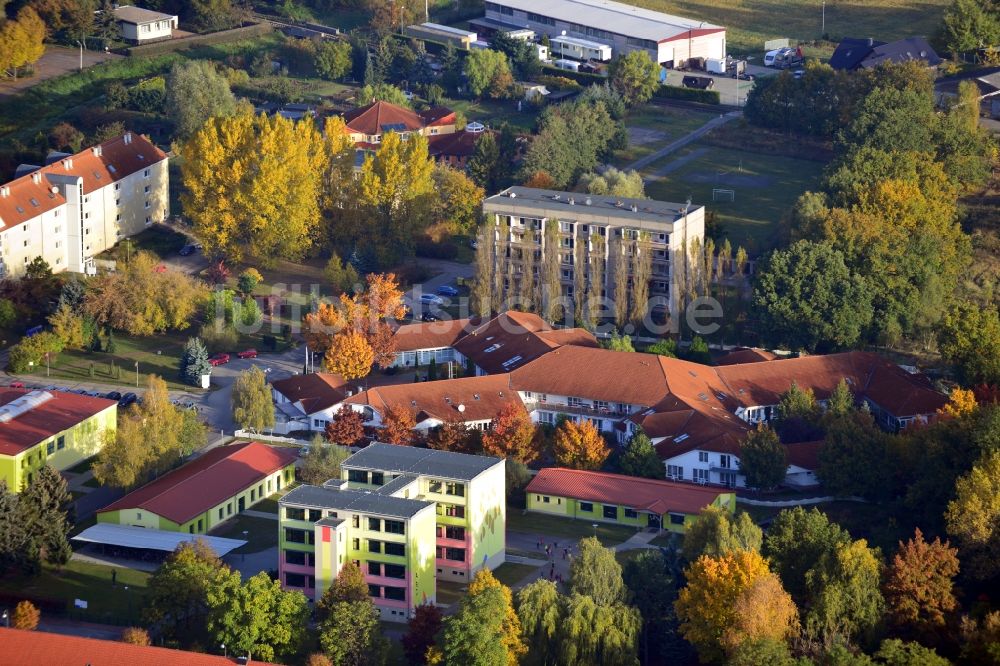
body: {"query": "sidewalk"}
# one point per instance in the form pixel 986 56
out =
pixel 643 162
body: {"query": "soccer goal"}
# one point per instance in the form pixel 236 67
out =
pixel 723 195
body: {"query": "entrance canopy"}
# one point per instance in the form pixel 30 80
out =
pixel 127 536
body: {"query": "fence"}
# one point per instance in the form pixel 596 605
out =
pixel 220 37
pixel 277 439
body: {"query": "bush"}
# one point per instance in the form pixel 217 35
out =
pixel 219 336
pixel 584 78
pixel 688 94
pixel 31 351
pixel 431 250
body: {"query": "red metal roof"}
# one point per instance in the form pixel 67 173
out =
pixel 206 481
pixel 98 167
pixel 643 494
pixel 692 34
pixel 316 391
pixel 34 648
pixel 39 423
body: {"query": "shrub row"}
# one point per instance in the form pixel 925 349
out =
pixel 688 94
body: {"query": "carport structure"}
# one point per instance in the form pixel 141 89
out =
pixel 141 543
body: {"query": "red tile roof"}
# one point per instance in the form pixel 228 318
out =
pixel 116 160
pixel 454 144
pixel 804 454
pixel 35 648
pixel 652 495
pixel 431 335
pixel 482 397
pixel 316 391
pixel 514 339
pixel 62 411
pixel 376 117
pixel 206 481
pixel 746 355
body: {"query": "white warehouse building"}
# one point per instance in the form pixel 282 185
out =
pixel 669 40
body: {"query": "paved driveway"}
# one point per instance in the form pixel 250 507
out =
pixel 58 60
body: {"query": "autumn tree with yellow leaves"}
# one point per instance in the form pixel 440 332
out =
pixel 580 445
pixel 252 186
pixel 349 355
pixel 21 40
pixel 732 599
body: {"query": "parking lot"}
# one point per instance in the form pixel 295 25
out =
pixel 732 92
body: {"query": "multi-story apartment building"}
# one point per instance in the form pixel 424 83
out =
pixel 80 205
pixel 405 516
pixel 585 241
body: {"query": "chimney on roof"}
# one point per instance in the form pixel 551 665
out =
pixel 97 151
pixel 68 163
pixel 36 178
pixel 127 137
pixel 4 191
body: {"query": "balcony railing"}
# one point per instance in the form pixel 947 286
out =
pixel 566 408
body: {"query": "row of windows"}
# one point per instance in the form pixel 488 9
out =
pixel 451 532
pixel 299 580
pixel 386 570
pixel 299 557
pixel 449 487
pixel 453 554
pixel 387 547
pixel 293 535
pixel 295 513
pixel 364 476
pixel 538 18
pixel 56 445
pixel 450 510
pixel 387 592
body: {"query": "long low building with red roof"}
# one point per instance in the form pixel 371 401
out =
pixel 77 206
pixel 54 428
pixel 207 491
pixel 33 648
pixel 622 500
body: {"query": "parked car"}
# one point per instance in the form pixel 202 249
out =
pixel 188 250
pixel 429 316
pixel 17 384
pixel 431 299
pixel 247 353
pixel 113 395
pixel 700 82
pixel 447 290
pixel 219 359
pixel 127 400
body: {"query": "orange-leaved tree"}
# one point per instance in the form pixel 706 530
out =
pixel 25 617
pixel 762 611
pixel 511 435
pixel 706 606
pixel 919 585
pixel 135 636
pixel 961 402
pixel 397 426
pixel 452 435
pixel 346 428
pixel 580 445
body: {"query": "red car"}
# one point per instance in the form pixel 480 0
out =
pixel 247 353
pixel 218 359
pixel 17 385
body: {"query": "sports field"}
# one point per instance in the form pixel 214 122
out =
pixel 751 22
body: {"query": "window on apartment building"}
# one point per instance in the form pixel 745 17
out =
pixel 395 593
pixel 374 546
pixel 434 486
pixel 138 515
pixel 118 186
pixel 610 511
pixel 676 519
pixel 457 533
pixel 454 554
pixel 393 571
pixel 374 590
pixel 295 557
pixel 51 448
pixel 295 579
pixel 374 524
pixel 253 494
pixel 355 521
pixel 703 456
pixel 725 461
pixel 455 489
pixel 145 174
pixel 546 499
pixel 587 507
pixel 200 527
pixel 356 543
pixel 378 478
pixel 25 242
pixel 86 232
pixel 357 476
pixel 631 513
pixel 450 510
pixel 147 204
pixel 229 509
pixel 701 475
pixel 295 536
pixel 395 526
pixel 118 218
pixel 397 549
pixel 118 202
pixel 61 443
pixel 374 568
pixel 675 471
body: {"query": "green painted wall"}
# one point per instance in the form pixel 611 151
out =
pixel 565 506
pixel 487 513
pixel 420 549
pixel 80 442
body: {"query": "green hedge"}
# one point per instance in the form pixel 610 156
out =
pixel 221 37
pixel 689 94
pixel 583 78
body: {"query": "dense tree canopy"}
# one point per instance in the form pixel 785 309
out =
pixel 196 92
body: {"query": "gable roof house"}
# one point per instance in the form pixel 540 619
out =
pixel 853 53
pixel 143 26
pixel 307 402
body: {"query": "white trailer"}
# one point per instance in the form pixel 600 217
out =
pixel 571 65
pixel 715 65
pixel 579 49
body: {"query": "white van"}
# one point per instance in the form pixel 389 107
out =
pixel 770 57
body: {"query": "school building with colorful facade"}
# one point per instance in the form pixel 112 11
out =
pixel 406 516
pixel 622 500
pixel 56 428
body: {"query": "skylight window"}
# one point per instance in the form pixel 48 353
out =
pixel 492 348
pixel 681 438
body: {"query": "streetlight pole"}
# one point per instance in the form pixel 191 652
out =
pixel 824 20
pixel 46 364
pixel 81 54
pixel 137 374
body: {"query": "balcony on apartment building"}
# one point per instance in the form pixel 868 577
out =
pixel 610 411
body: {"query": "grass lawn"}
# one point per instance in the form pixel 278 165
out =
pixel 262 533
pixel 765 188
pixel 449 592
pixel 553 526
pixel 873 522
pixel 90 582
pixel 750 22
pixel 157 355
pixel 158 239
pixel 532 554
pixel 493 113
pixel 654 127
pixel 510 574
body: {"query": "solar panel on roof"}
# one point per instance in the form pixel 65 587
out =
pixel 394 127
